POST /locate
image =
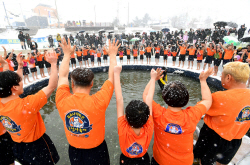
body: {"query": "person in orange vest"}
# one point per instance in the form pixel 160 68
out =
pixel 135 54
pixel 121 52
pixel 73 60
pixel 135 126
pixel 174 53
pixel 191 50
pixel 141 55
pixel 105 55
pixel 210 53
pixel 183 50
pixel 99 61
pixel 228 119
pixel 157 54
pixel 199 55
pixel 148 55
pixel 92 53
pixel 85 51
pixel 79 56
pixel 21 117
pixel 229 52
pixel 40 62
pixel 174 126
pixel 83 114
pixel 128 52
pixel 166 50
pixel 32 66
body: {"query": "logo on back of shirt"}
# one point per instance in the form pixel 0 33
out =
pixel 77 123
pixel 135 149
pixel 173 128
pixel 9 124
pixel 244 114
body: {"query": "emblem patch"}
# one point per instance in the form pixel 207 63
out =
pixel 135 149
pixel 77 123
pixel 244 114
pixel 9 124
pixel 173 128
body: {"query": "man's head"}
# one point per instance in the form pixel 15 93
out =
pixel 82 78
pixel 175 94
pixel 234 74
pixel 137 113
pixel 10 83
pixel 230 47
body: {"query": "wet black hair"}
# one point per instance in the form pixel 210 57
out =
pixel 175 94
pixel 137 113
pixel 82 77
pixel 8 79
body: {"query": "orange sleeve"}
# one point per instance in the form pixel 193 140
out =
pixel 62 93
pixel 196 112
pixel 103 97
pixel 157 109
pixel 35 102
pixel 122 125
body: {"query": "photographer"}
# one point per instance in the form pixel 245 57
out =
pixel 51 40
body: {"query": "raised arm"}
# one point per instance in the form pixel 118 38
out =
pixel 20 65
pixel 112 52
pixel 118 91
pixel 222 46
pixel 205 91
pixel 53 80
pixel 5 52
pixel 151 90
pixel 64 68
pixel 4 64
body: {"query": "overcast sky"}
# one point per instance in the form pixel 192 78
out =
pixel 106 10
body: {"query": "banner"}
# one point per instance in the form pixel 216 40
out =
pixel 17 41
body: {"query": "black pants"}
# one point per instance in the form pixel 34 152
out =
pixel 6 149
pixel 135 161
pixel 94 156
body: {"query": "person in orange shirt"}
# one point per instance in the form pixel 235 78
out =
pixel 229 52
pixel 135 127
pixel 199 55
pixel 228 119
pixel 166 56
pixel 183 49
pixel 26 71
pixel 120 52
pixel 6 145
pixel 174 126
pixel 83 114
pixel 22 119
pixel 47 64
pixel 217 58
pixel 174 53
pixel 141 55
pixel 92 56
pixel 73 60
pixel 79 56
pixel 128 52
pixel 191 56
pixel 105 55
pixel 157 54
pixel 32 66
pixel 99 61
pixel 85 55
pixel 40 62
pixel 135 54
pixel 9 60
pixel 148 55
pixel 210 54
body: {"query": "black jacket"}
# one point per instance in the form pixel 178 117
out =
pixel 21 37
pixel 32 46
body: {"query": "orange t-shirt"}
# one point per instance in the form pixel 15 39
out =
pixel 99 54
pixel 182 50
pixel 32 61
pixel 142 52
pixel 210 52
pixel 84 115
pixel 22 119
pixel 1 69
pixel 2 129
pixel 135 52
pixel 174 54
pixel 92 52
pixel 120 53
pixel 85 52
pixel 157 50
pixel 201 55
pixel 78 53
pixel 229 115
pixel 228 54
pixel 73 55
pixel 39 57
pixel 173 134
pixel 9 63
pixel 104 52
pixel 128 52
pixel 132 145
pixel 148 49
pixel 165 52
pixel 191 51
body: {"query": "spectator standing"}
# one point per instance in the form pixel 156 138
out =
pixel 28 39
pixel 241 32
pixel 21 37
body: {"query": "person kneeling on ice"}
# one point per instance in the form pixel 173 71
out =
pixel 135 127
pixel 21 116
pixel 228 119
pixel 174 126
pixel 83 114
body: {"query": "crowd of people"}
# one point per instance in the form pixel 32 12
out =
pixel 22 130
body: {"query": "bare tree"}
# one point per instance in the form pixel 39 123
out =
pixel 145 19
pixel 137 21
